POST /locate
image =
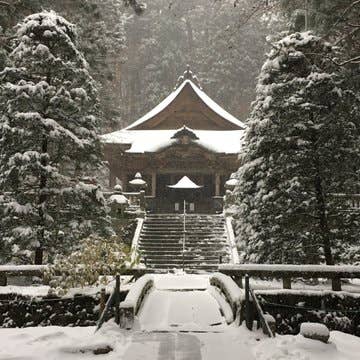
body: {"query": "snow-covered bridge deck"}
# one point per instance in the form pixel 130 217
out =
pixel 183 302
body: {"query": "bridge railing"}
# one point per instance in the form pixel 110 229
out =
pixel 113 301
pixel 133 301
pixel 232 293
pixel 288 272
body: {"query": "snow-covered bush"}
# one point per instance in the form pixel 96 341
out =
pixel 93 263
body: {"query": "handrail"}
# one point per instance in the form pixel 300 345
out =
pixel 114 299
pixel 264 324
pixel 107 308
pixel 231 240
pixel 286 272
pixel 135 241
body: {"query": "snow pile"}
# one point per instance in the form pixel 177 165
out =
pixel 315 331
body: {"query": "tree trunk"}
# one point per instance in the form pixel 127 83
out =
pixel 39 256
pixel 323 221
pixel 42 199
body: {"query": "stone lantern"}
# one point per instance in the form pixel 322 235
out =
pixel 118 202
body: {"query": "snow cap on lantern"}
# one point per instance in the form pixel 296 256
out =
pixel 138 181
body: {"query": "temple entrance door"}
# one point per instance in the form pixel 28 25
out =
pixel 197 201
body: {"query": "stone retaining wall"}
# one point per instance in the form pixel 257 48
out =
pixel 24 311
pixel 339 311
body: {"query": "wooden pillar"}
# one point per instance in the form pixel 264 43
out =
pixel 153 184
pixel 217 184
pixel 123 180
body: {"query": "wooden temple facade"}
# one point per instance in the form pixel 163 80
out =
pixel 186 134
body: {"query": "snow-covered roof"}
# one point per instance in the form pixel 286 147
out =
pixel 142 141
pixel 201 94
pixel 185 183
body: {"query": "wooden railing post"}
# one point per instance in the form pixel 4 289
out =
pixel 286 282
pixel 336 284
pixel 117 299
pixel 3 280
pixel 247 303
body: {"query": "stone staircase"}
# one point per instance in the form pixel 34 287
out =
pixel 161 242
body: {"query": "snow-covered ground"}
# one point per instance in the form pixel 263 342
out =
pixel 178 310
pixel 65 343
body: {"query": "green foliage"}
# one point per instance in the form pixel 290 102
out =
pixel 94 262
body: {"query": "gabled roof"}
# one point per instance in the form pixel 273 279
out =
pixel 187 105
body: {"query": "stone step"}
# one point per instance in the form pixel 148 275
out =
pixel 171 258
pixel 164 227
pixel 204 268
pixel 188 235
pixel 174 247
pixel 180 261
pixel 161 241
pixel 187 219
pixel 193 242
pixel 177 252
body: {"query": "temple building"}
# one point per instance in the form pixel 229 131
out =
pixel 187 134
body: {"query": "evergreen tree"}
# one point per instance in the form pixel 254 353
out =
pixel 48 141
pixel 301 151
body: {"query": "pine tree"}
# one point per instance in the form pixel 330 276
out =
pixel 301 151
pixel 48 141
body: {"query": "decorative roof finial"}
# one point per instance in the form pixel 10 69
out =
pixel 188 75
